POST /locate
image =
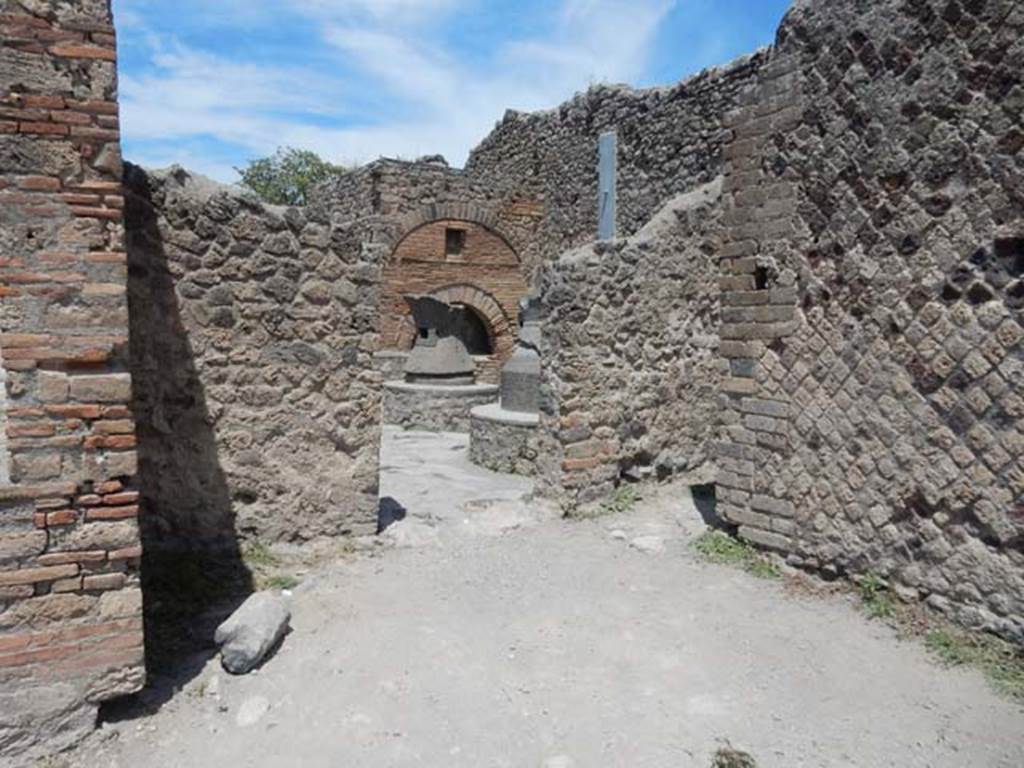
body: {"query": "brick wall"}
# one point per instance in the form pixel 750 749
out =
pixel 70 602
pixel 758 303
pixel 486 276
pixel 389 199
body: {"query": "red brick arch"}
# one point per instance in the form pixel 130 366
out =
pixel 484 304
pixel 470 213
pixel 486 274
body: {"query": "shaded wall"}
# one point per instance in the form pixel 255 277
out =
pixel 70 602
pixel 874 183
pixel 253 330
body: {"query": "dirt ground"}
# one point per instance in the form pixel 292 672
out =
pixel 485 631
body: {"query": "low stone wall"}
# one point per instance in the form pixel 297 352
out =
pixel 630 354
pixel 504 441
pixel 434 408
pixel 71 629
pixel 253 331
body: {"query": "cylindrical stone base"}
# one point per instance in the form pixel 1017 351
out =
pixel 504 441
pixel 434 407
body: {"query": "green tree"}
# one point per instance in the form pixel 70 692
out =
pixel 287 176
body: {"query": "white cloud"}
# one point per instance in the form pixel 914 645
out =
pixel 394 63
pixel 381 11
pixel 394 91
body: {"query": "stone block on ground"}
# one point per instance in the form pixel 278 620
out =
pixel 252 631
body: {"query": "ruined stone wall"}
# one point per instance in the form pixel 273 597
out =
pixel 630 354
pixel 252 332
pixel 70 602
pixel 669 141
pixel 872 301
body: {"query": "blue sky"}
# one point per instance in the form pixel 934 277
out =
pixel 210 84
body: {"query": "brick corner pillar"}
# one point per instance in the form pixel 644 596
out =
pixel 759 309
pixel 70 594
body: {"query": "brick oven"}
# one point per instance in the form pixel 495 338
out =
pixel 463 262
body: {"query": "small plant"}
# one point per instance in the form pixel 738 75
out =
pixel 256 553
pixel 721 548
pixel 280 581
pixel 619 501
pixel 763 568
pixel 1001 662
pixel 876 598
pixel 622 499
pixel 727 757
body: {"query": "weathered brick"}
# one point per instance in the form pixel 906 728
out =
pixel 112 513
pixel 36 575
pixel 126 497
pixel 103 581
pixel 39 183
pixel 74 584
pixel 83 52
pixel 126 553
pixel 739 386
pixel 76 411
pixel 768 539
pixel 114 427
pixel 61 517
pixel 49 129
pixel 62 558
pixel 773 506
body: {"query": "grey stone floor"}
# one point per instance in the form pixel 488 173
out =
pixel 484 631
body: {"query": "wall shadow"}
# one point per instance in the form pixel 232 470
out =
pixel 193 570
pixel 706 501
pixel 389 512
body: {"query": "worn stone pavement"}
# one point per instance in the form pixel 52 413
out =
pixel 484 631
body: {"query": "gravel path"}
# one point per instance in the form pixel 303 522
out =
pixel 486 632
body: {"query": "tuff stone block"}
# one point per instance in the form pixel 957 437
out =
pixel 102 388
